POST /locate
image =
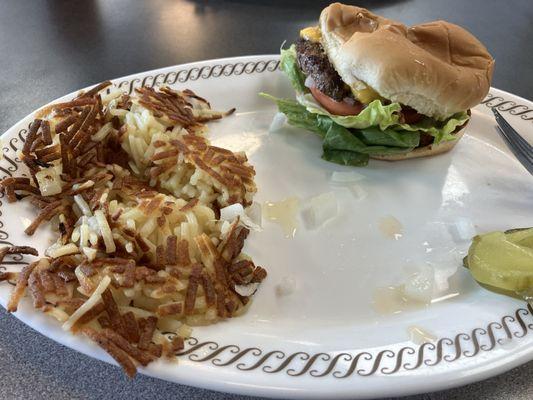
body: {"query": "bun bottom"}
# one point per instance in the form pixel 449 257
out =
pixel 426 151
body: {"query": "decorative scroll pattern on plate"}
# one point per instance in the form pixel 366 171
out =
pixel 205 72
pixel 337 364
pixel 509 106
pixel 386 361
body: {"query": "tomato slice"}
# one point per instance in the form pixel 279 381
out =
pixel 336 107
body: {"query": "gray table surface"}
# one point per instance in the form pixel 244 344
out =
pixel 49 48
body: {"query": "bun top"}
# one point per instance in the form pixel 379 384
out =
pixel 437 68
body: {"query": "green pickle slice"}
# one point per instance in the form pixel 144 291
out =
pixel 522 237
pixel 503 260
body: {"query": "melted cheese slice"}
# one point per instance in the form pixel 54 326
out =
pixel 311 33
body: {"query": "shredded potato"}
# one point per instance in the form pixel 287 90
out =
pixel 106 231
pixel 57 250
pixel 134 191
pixel 90 303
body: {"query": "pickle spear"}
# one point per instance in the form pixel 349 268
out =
pixel 503 260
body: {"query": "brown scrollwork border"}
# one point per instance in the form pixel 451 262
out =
pixel 338 365
pixel 363 363
pixel 205 72
pixel 504 105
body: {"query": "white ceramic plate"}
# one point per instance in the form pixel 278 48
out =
pixel 325 339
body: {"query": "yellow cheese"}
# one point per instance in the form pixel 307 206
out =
pixel 366 95
pixel 311 33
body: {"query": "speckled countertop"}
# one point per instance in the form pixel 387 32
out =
pixel 50 48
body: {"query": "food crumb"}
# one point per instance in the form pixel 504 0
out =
pixel 285 287
pixel 390 227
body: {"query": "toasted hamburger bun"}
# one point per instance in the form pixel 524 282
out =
pixel 426 151
pixel 437 68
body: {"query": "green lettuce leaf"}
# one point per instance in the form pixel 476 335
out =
pixel 345 157
pixel 289 64
pixel 339 138
pixel 440 130
pixel 340 145
pixel 389 137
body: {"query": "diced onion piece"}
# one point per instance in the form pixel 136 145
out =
pixel 442 276
pixel 82 204
pixel 278 122
pixel 95 297
pixel 130 223
pixel 342 177
pixel 286 286
pixel 255 213
pixel 358 192
pixel 25 222
pixel 247 290
pixel 129 247
pixel 49 181
pixel 230 213
pixel 309 82
pixel 58 250
pixel 107 236
pixel 419 286
pixel 419 336
pixel 462 230
pixel 102 132
pixel 319 210
pixel 89 252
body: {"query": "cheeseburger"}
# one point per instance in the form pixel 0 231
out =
pixel 375 88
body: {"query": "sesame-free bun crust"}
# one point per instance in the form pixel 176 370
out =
pixel 437 68
pixel 426 151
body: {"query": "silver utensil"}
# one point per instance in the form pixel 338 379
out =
pixel 522 150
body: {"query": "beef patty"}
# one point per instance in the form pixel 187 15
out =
pixel 314 62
